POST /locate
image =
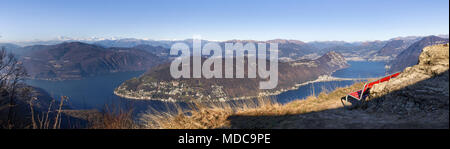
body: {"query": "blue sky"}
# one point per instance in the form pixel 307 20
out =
pixel 306 20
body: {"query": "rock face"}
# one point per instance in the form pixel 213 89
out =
pixel 409 57
pixel 76 60
pixel 420 89
pixel 159 85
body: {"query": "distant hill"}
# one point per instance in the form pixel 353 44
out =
pixel 357 51
pixel 393 48
pixel 288 49
pixel 158 84
pixel 158 50
pixel 329 44
pixel 131 42
pixel 76 60
pixel 410 56
pixel 295 49
pixel 10 48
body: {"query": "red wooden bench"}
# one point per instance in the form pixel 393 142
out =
pixel 360 95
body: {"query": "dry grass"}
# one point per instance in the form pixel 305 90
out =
pixel 114 117
pixel 215 115
pixel 43 120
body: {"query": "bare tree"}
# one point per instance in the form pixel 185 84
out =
pixel 12 73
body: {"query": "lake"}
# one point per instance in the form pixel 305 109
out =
pixel 362 69
pixel 95 92
pixel 91 92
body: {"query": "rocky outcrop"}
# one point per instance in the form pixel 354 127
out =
pixel 433 61
pixel 420 89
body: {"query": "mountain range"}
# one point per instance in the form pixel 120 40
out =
pixel 290 49
pixel 45 60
